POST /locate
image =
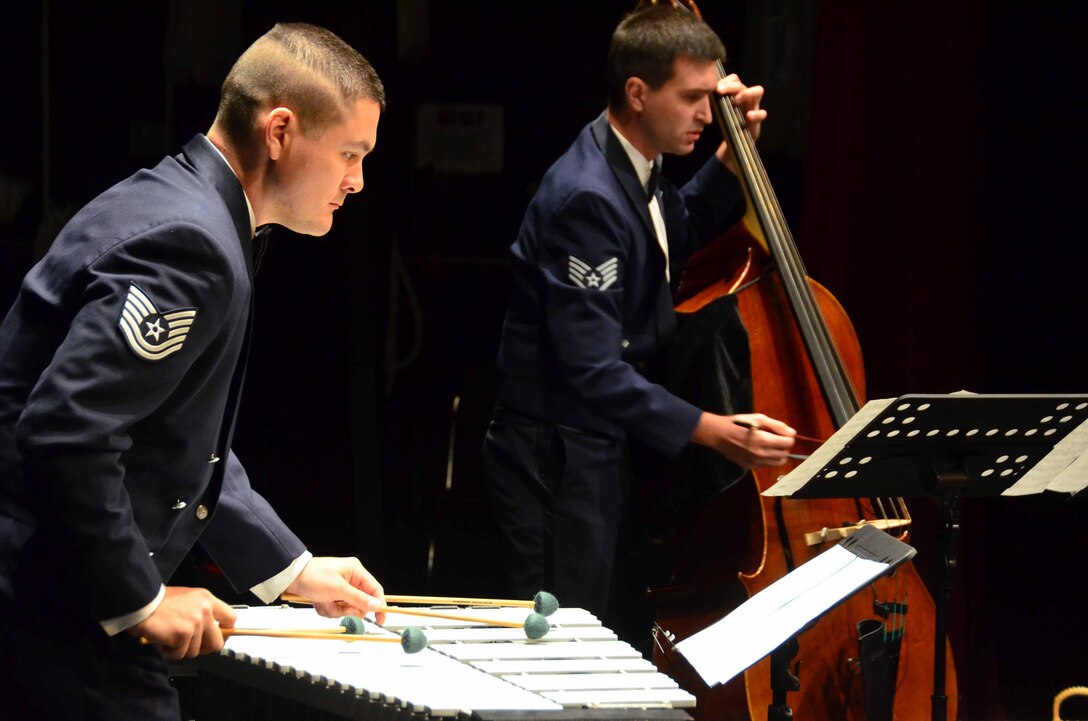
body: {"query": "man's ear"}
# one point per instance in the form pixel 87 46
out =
pixel 279 124
pixel 635 90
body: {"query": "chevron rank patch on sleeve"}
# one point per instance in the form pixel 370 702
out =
pixel 150 334
pixel 585 276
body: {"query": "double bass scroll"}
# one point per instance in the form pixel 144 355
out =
pixel 871 657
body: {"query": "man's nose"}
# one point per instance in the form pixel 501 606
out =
pixel 353 182
pixel 702 113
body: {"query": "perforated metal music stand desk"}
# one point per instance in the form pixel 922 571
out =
pixel 947 447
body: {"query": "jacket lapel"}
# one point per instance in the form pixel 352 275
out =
pixel 616 156
pixel 206 159
pixel 622 169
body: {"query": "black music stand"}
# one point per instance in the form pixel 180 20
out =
pixel 947 447
pixel 769 622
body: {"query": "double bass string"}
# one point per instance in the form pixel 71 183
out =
pixel 841 396
pixel 840 393
pixel 843 399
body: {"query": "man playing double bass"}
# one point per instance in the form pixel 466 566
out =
pixel 591 313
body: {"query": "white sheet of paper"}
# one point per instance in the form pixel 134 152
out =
pixel 1064 469
pixel 1075 476
pixel 762 623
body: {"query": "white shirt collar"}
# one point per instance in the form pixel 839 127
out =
pixel 249 206
pixel 642 165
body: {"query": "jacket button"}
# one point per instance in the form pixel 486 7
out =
pixel 213 458
pixel 201 512
pixel 179 504
pixel 625 343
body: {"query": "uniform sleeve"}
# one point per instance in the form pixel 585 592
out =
pixel 246 538
pixel 583 318
pixel 711 203
pixel 79 417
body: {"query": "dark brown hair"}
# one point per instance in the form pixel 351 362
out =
pixel 647 41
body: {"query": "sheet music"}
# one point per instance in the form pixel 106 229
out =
pixel 1075 476
pixel 762 623
pixel 1055 471
pixel 793 481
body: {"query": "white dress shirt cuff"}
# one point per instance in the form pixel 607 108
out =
pixel 114 626
pixel 271 589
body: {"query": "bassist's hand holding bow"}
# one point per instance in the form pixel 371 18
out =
pixel 747 439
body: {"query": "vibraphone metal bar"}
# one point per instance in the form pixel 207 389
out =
pixel 579 670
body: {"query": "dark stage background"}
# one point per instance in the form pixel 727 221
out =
pixel 929 156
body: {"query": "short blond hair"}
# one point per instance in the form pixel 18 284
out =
pixel 298 66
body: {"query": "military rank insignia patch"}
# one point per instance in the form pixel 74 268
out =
pixel 585 276
pixel 150 334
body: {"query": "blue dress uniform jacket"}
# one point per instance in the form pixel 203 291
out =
pixel 121 364
pixel 590 305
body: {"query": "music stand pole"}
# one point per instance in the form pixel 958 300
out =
pixel 950 484
pixel 783 680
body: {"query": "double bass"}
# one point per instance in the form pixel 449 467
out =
pixel 870 658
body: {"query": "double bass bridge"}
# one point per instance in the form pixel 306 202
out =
pixel 896 526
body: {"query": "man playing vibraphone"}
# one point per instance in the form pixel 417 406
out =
pixel 121 366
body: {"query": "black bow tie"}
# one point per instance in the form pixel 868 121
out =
pixel 651 185
pixel 260 246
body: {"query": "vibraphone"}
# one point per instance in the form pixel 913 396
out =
pixel 579 670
